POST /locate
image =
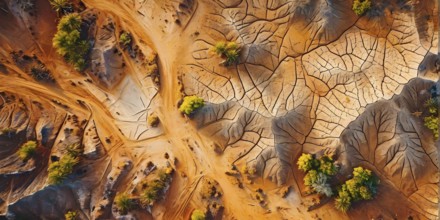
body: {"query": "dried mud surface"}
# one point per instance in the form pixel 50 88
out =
pixel 312 77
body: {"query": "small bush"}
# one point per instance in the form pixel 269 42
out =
pixel 198 215
pixel 220 48
pixel 191 104
pixel 61 6
pixel 153 120
pixel 343 201
pixel 432 121
pixel 124 203
pixel 363 186
pixel 311 177
pixel 68 43
pixel 155 188
pixel 71 215
pixel 361 6
pixel 306 162
pixel 318 173
pixel 27 150
pixel 59 170
pixel 228 50
pixel 327 166
pixel 125 39
pixel 231 57
pixel 74 149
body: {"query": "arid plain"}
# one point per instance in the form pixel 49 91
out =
pixel 310 77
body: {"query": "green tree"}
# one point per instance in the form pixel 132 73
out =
pixel 68 43
pixel 198 215
pixel 27 150
pixel 191 104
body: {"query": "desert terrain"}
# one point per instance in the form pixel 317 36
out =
pixel 309 77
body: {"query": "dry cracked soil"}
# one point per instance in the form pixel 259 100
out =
pixel 311 77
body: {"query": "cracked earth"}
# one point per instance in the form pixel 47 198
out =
pixel 312 77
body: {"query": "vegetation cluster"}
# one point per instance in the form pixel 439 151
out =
pixel 68 42
pixel 59 170
pixel 360 7
pixel 230 51
pixel 432 120
pixel 27 150
pixel 191 104
pixel 318 173
pixel 362 186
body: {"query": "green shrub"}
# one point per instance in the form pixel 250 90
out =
pixel 124 203
pixel 432 121
pixel 153 120
pixel 231 57
pixel 155 187
pixel 311 177
pixel 228 50
pixel 327 165
pixel 191 104
pixel 60 5
pixel 27 150
pixel 432 105
pixel 361 6
pixel 68 43
pixel 306 162
pixel 363 186
pixel 74 149
pixel 198 215
pixel 232 46
pixel 318 173
pixel 125 39
pixel 343 201
pixel 59 170
pixel 71 215
pixel 152 192
pixel 220 48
